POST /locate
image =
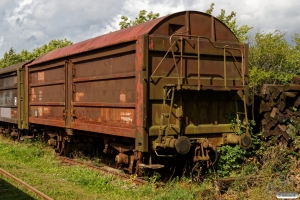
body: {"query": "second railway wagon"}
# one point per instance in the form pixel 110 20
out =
pixel 152 93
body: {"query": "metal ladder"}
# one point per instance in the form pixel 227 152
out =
pixel 170 88
pixel 243 113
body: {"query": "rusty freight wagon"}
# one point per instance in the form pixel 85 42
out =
pixel 12 99
pixel 154 93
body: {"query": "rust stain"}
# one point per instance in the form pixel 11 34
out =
pixel 151 44
pixel 122 98
pixel 41 76
pixel 33 95
pixel 40 111
pixel 46 110
pixel 78 95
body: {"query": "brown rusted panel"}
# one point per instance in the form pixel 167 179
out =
pixel 105 77
pixel 156 110
pixel 47 76
pixel 205 107
pixel 47 122
pixel 47 112
pixel 198 24
pixel 104 104
pixel 223 33
pixel 51 93
pixel 8 82
pixel 52 103
pixel 209 111
pixel 162 43
pixel 204 25
pixel 50 65
pixel 211 72
pixel 112 130
pixel 46 94
pixel 115 117
pixel 109 51
pixel 104 95
pixel 110 65
pixel 110 91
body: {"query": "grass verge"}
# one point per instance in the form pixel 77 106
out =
pixel 36 164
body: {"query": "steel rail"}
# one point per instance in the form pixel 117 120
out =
pixel 105 169
pixel 29 187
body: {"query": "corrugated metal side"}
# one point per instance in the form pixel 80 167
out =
pixel 9 96
pixel 46 94
pixel 104 96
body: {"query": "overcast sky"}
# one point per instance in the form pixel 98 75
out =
pixel 27 24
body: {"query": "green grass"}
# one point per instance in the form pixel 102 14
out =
pixel 38 166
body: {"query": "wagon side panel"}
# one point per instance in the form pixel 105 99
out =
pixel 104 91
pixel 46 94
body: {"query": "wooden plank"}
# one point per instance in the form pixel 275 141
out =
pixel 297 102
pixel 283 118
pixel 281 106
pixel 264 107
pixel 274 112
pixel 290 94
pixel 282 127
pixel 269 125
pixel 275 93
pixel 289 112
pixel 267 116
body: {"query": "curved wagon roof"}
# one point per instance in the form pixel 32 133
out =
pixel 13 68
pixel 193 22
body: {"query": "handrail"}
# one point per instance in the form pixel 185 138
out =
pixel 225 48
pixel 162 60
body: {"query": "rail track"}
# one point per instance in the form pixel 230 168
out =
pixel 105 170
pixel 4 187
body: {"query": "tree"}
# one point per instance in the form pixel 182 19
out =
pixel 272 59
pixel 11 57
pixel 141 18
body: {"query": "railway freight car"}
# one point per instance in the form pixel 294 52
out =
pixel 12 99
pixel 150 94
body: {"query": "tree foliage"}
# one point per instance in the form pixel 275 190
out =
pixel 241 32
pixel 141 18
pixel 272 59
pixel 11 57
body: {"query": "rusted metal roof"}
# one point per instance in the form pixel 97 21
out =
pixel 13 67
pixel 120 36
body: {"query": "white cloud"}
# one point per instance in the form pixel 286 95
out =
pixel 1 40
pixel 26 24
